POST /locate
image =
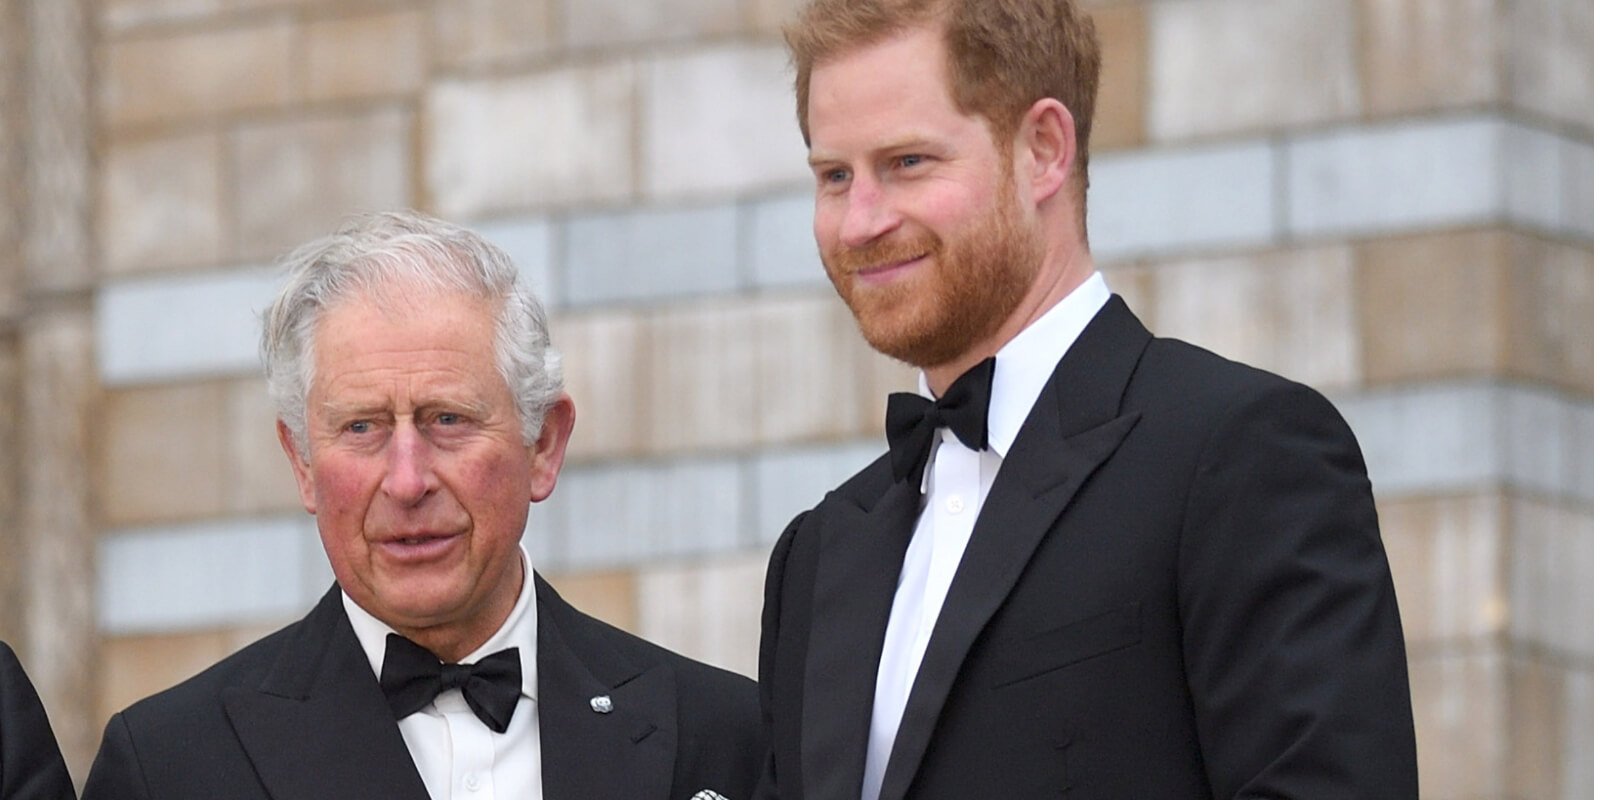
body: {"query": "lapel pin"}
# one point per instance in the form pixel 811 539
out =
pixel 601 704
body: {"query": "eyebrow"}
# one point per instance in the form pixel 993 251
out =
pixel 906 143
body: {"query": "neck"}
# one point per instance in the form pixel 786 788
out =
pixel 453 642
pixel 1063 272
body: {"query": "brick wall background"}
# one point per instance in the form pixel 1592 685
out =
pixel 1389 199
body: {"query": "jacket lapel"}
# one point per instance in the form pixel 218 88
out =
pixel 857 571
pixel 1073 428
pixel 318 728
pixel 628 751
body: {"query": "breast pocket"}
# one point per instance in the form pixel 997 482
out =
pixel 1062 646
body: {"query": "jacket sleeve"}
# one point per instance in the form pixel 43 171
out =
pixel 1291 632
pixel 117 773
pixel 31 767
pixel 767 785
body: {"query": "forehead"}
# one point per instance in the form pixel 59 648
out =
pixel 898 82
pixel 404 331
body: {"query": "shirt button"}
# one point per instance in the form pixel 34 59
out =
pixel 472 782
pixel 954 504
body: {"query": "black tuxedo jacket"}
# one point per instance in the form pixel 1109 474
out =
pixel 30 763
pixel 1175 589
pixel 299 716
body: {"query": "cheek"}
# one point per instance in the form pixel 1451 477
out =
pixel 342 489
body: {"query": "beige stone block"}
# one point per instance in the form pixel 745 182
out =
pixel 298 179
pixel 1134 282
pixel 163 454
pixel 1426 55
pixel 160 203
pixel 802 393
pixel 1552 577
pixel 1431 306
pixel 1552 59
pixel 719 120
pixel 479 32
pixel 197 73
pixel 769 16
pixel 608 376
pixel 381 54
pixel 1460 704
pixel 1447 556
pixel 612 595
pixel 1119 120
pixel 1291 312
pixel 1550 314
pixel 551 139
pixel 709 611
pixel 881 376
pixel 1226 66
pixel 11 533
pixel 602 23
pixel 1552 730
pixel 1474 304
pixel 135 667
pixel 258 474
pixel 702 358
pixel 117 16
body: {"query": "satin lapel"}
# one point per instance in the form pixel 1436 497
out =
pixel 318 727
pixel 628 751
pixel 1073 428
pixel 858 568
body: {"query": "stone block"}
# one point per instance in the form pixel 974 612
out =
pixel 649 254
pixel 1119 115
pixel 609 378
pixel 1552 577
pixel 1476 303
pixel 791 480
pixel 193 74
pixel 163 454
pixel 1394 177
pixel 803 348
pixel 1548 442
pixel 475 33
pixel 769 16
pixel 719 120
pixel 1291 312
pixel 531 243
pixel 1230 66
pixel 611 23
pixel 1207 198
pixel 1460 703
pixel 1134 282
pixel 616 514
pixel 1446 553
pixel 1552 730
pixel 1548 181
pixel 118 16
pixel 709 611
pixel 372 55
pixel 1428 55
pixel 259 479
pixel 137 666
pixel 611 595
pixel 702 395
pixel 550 139
pixel 297 179
pixel 161 328
pixel 207 575
pixel 777 248
pixel 1551 59
pixel 160 203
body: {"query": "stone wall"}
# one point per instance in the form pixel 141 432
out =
pixel 1389 199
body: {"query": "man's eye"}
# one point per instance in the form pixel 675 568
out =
pixel 911 160
pixel 448 419
pixel 359 426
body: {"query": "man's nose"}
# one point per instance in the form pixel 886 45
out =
pixel 868 214
pixel 409 478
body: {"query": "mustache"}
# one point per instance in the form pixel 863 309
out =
pixel 851 260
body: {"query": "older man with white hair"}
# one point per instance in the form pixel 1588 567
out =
pixel 420 405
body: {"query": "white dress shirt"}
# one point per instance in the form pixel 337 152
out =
pixel 955 483
pixel 458 756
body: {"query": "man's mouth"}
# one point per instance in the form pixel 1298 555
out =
pixel 887 271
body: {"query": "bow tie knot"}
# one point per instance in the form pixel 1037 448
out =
pixel 913 420
pixel 412 677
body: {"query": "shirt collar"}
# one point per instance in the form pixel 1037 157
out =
pixel 1024 364
pixel 520 630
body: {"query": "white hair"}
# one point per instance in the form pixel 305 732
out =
pixel 376 253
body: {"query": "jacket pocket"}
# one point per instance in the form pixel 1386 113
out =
pixel 1082 639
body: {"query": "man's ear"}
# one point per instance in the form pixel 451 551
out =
pixel 302 470
pixel 550 451
pixel 1046 148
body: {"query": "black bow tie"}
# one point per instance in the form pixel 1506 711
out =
pixel 412 677
pixel 913 420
